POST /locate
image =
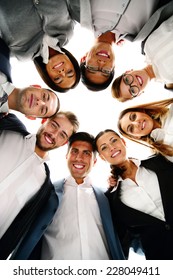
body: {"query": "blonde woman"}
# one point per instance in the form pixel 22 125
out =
pixel 150 124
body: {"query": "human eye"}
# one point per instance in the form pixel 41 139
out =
pixel 58 80
pixel 87 153
pixel 62 135
pixel 126 80
pixel 45 96
pixel 92 68
pixel 106 71
pixel 43 110
pixel 54 125
pixel 74 151
pixel 103 148
pixel 114 140
pixel 70 73
pixel 132 117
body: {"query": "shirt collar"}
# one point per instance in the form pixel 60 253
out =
pixel 71 181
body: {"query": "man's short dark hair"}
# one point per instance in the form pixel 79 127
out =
pixel 82 136
pixel 93 86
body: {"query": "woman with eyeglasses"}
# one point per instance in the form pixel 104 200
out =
pixel 150 124
pixel 140 198
pixel 159 57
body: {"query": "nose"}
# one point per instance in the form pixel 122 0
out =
pixel 78 156
pixel 101 62
pixel 62 73
pixel 40 102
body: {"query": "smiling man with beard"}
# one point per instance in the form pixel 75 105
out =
pixel 25 185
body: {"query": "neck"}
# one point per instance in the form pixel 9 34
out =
pixel 40 152
pixel 149 70
pixel 107 37
pixel 79 181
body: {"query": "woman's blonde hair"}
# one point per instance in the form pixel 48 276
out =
pixel 158 111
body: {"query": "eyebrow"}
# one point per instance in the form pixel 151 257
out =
pixel 63 79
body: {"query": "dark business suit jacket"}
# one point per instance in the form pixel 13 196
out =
pixel 26 217
pixel 5 66
pixel 155 236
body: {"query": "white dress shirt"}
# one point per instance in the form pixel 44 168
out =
pixel 145 195
pixel 5 87
pixel 76 232
pixel 121 16
pixel 22 173
pixel 158 51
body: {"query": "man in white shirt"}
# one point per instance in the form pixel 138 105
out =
pixel 32 101
pixel 82 225
pixel 111 22
pixel 22 168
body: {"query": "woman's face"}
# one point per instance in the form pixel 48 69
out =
pixel 137 124
pixel 111 148
pixel 61 71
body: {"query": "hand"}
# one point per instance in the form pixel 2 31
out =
pixel 120 42
pixel 112 182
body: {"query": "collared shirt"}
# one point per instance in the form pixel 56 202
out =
pixel 22 173
pixel 76 232
pixel 144 195
pixel 158 51
pixel 5 89
pixel 121 16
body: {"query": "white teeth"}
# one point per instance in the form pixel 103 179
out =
pixel 139 80
pixel 115 154
pixel 48 139
pixel 103 54
pixel 58 65
pixel 78 166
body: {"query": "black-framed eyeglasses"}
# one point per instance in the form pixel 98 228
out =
pixel 93 69
pixel 128 80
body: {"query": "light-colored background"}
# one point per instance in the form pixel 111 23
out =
pixel 96 110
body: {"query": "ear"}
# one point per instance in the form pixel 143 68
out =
pixel 83 59
pixel 43 121
pixel 124 142
pixel 36 86
pixel 30 117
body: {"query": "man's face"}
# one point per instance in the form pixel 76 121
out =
pixel 37 102
pixel 80 160
pixel 54 133
pixel 100 62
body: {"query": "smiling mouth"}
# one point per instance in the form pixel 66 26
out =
pixel 79 166
pixel 143 125
pixel 48 139
pixel 56 66
pixel 103 54
pixel 115 154
pixel 140 81
pixel 31 101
